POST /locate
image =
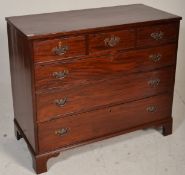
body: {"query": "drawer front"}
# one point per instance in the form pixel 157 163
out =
pixel 83 127
pixel 78 72
pixel 158 34
pixel 116 90
pixel 123 39
pixel 57 49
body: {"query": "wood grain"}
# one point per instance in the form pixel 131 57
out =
pixel 169 32
pixel 43 50
pixel 89 20
pixel 96 68
pixel 112 91
pixel 21 79
pixel 126 40
pixel 102 122
pixel 106 87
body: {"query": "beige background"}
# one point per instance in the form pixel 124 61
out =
pixel 143 152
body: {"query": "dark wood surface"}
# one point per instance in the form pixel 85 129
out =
pixel 169 31
pixel 44 50
pixel 40 25
pixel 126 40
pixel 102 122
pixel 105 75
pixel 98 95
pixel 40 160
pixel 97 68
pixel 21 78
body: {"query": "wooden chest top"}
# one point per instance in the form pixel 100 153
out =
pixel 83 21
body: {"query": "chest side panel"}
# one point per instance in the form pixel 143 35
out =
pixel 21 77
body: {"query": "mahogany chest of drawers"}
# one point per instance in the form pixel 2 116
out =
pixel 86 75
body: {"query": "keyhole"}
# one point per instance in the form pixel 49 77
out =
pixel 110 110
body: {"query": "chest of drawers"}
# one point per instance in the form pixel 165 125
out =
pixel 86 75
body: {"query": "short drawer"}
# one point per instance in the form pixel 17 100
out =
pixel 88 70
pixel 91 125
pixel 157 34
pixel 119 40
pixel 55 104
pixel 60 48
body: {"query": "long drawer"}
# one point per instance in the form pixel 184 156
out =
pixel 78 72
pixel 78 128
pixel 113 91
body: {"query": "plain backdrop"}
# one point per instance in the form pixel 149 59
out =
pixel 23 7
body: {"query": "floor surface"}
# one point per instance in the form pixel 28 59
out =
pixel 144 152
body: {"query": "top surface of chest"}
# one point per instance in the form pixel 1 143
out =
pixel 61 23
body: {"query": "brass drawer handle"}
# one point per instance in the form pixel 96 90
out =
pixel 60 75
pixel 154 82
pixel 61 131
pixel 155 57
pixel 60 50
pixel 151 109
pixel 112 41
pixel 157 35
pixel 60 102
